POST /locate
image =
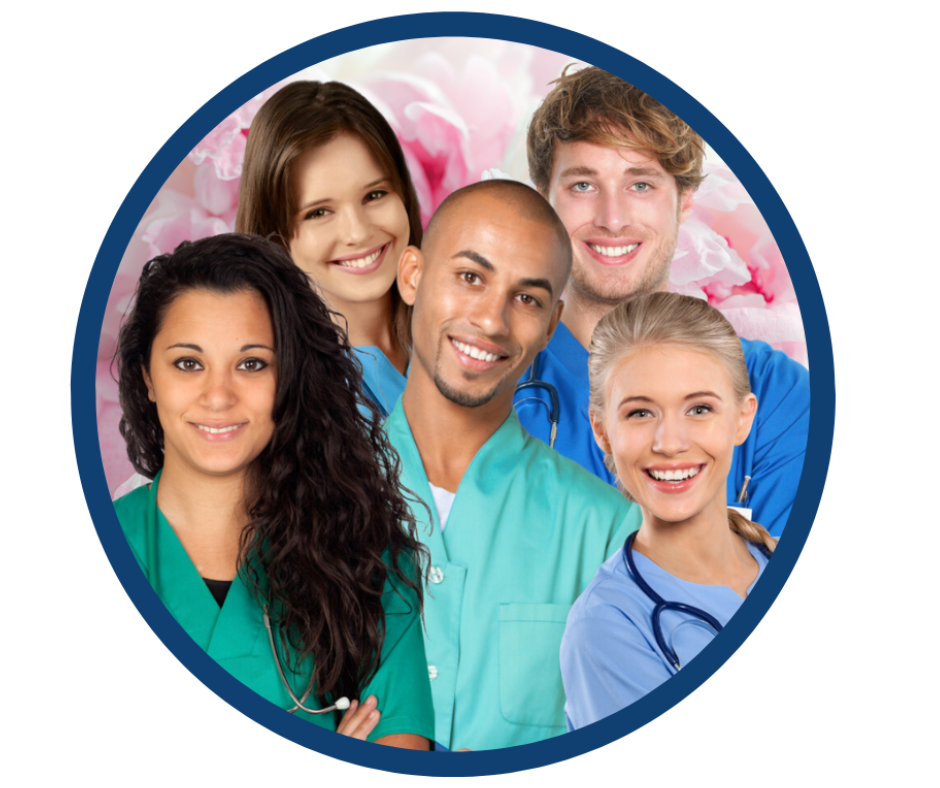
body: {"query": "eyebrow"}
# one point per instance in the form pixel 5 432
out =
pixel 644 172
pixel 693 395
pixel 480 260
pixel 328 199
pixel 198 349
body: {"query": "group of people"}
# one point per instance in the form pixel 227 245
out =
pixel 399 487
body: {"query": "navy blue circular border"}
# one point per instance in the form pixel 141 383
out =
pixel 468 25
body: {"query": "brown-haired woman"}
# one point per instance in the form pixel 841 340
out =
pixel 325 176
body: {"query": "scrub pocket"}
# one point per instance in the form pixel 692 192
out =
pixel 530 689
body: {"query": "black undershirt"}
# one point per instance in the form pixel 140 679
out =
pixel 219 589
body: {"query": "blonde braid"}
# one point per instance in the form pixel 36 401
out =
pixel 750 531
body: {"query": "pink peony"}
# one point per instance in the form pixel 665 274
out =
pixel 460 109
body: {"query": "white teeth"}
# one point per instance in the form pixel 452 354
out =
pixel 613 251
pixel 475 352
pixel 361 262
pixel 216 431
pixel 674 476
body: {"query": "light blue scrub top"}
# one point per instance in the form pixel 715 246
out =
pixel 383 383
pixel 527 532
pixel 609 655
pixel 772 455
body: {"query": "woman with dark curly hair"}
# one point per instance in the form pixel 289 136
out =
pixel 325 177
pixel 275 500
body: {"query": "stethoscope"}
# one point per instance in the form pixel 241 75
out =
pixel 341 703
pixel 662 605
pixel 554 410
pixel 699 616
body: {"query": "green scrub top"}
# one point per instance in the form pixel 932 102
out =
pixel 527 532
pixel 235 636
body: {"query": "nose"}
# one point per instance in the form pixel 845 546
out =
pixel 354 229
pixel 612 212
pixel 491 313
pixel 218 393
pixel 670 438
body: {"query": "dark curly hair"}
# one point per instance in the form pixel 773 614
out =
pixel 328 524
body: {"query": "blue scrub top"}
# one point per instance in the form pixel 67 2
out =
pixel 383 383
pixel 772 455
pixel 609 656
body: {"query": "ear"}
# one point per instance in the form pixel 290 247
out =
pixel 553 323
pixel 600 432
pixel 410 268
pixel 149 384
pixel 685 204
pixel 745 419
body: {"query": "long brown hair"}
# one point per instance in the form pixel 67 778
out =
pixel 302 116
pixel 670 319
pixel 329 526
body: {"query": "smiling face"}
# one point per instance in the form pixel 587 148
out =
pixel 622 211
pixel 485 293
pixel 351 227
pixel 213 378
pixel 671 423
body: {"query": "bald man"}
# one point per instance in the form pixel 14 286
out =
pixel 516 531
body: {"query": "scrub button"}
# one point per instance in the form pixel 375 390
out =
pixel 432 672
pixel 436 575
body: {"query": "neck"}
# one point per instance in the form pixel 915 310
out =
pixel 207 514
pixel 448 435
pixel 581 315
pixel 369 324
pixel 702 549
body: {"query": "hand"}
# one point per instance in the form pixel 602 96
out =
pixel 360 719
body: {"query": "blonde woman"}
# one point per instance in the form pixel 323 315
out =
pixel 670 400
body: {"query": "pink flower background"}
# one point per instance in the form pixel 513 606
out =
pixel 460 108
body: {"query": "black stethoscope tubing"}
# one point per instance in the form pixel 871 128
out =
pixel 662 605
pixel 554 410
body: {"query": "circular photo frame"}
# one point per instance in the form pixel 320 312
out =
pixel 470 26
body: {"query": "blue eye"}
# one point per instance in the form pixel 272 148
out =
pixel 642 188
pixel 187 365
pixel 578 186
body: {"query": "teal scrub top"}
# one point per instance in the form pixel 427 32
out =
pixel 526 534
pixel 383 384
pixel 235 636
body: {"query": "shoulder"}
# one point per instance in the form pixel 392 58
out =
pixel 610 596
pixel 610 610
pixel 131 511
pixel 766 365
pixel 569 482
